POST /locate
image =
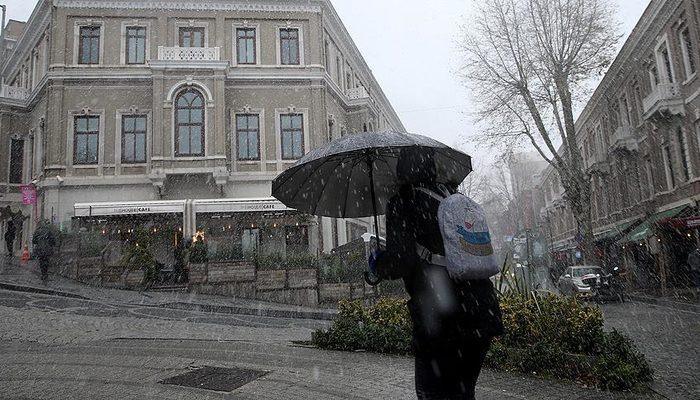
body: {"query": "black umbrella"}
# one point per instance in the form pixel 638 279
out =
pixel 356 175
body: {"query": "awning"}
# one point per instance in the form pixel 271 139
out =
pixel 129 208
pixel 646 228
pixel 239 205
pixel 615 231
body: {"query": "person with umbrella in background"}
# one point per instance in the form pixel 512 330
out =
pixel 401 175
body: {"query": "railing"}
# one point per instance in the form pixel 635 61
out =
pixel 624 139
pixel 14 92
pixel 662 94
pixel 598 163
pixel 189 53
pixel 357 93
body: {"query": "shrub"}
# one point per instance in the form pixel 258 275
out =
pixel 199 252
pixel 548 335
pixel 138 256
pixel 91 244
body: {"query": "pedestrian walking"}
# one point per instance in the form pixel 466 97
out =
pixel 453 321
pixel 10 233
pixel 45 241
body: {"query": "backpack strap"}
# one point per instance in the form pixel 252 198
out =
pixel 429 257
pixel 433 194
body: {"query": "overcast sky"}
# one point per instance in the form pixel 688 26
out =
pixel 410 47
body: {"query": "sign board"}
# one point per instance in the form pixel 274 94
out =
pixel 28 194
pixel 239 205
pixel 693 222
pixel 134 208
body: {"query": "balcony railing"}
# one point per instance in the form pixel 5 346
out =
pixel 665 98
pixel 14 92
pixel 623 139
pixel 189 54
pixel 598 163
pixel 357 93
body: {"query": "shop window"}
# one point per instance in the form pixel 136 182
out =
pixel 292 131
pixel 666 59
pixel 16 160
pixel 86 139
pixel 355 231
pixel 245 45
pixel 134 139
pixel 191 37
pixel 297 239
pixel 248 136
pixel 89 45
pixel 250 241
pixel 135 45
pixel 289 46
pixel 189 123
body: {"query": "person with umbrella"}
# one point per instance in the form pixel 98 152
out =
pixel 392 173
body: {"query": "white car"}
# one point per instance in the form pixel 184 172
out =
pixel 571 283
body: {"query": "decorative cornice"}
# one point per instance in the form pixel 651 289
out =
pixel 199 5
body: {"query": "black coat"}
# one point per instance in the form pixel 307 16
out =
pixel 444 312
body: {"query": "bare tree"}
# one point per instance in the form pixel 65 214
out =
pixel 527 62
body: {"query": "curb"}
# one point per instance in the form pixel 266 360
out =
pixel 666 303
pixel 258 312
pixel 32 289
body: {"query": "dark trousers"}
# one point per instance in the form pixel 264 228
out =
pixel 9 244
pixel 44 267
pixel 450 374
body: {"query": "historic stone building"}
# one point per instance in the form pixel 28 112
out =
pixel 639 135
pixel 176 115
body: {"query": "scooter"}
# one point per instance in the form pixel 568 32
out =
pixel 605 287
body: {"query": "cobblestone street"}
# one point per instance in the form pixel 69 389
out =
pixel 58 347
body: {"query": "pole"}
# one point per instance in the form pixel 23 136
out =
pixel 370 165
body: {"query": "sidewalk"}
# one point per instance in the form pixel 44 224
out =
pixel 26 278
pixel 665 301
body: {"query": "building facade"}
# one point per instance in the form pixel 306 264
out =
pixel 176 115
pixel 639 135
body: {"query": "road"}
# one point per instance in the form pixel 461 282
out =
pixel 57 348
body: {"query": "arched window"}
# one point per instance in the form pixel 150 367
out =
pixel 189 123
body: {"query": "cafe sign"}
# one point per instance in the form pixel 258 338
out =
pixel 106 209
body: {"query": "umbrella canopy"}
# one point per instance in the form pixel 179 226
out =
pixel 356 175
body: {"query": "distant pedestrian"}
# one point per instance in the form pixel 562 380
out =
pixel 694 266
pixel 453 321
pixel 10 233
pixel 45 240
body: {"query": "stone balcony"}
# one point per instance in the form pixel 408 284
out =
pixel 357 93
pixel 189 53
pixel 624 139
pixel 598 164
pixel 664 100
pixel 14 93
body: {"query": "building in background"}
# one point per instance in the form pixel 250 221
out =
pixel 639 135
pixel 117 115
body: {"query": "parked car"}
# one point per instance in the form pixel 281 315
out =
pixel 572 282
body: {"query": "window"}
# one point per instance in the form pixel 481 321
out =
pixel 250 241
pixel 297 239
pixel 339 71
pixel 683 148
pixel 326 55
pixel 134 139
pixel 86 139
pixel 668 161
pixel 348 80
pixel 625 111
pixel 650 177
pixel 248 136
pixel 16 160
pixel 89 45
pixel 245 45
pixel 289 46
pixel 667 64
pixel 654 76
pixel 687 51
pixel 191 37
pixel 189 123
pixel 135 45
pixel 292 130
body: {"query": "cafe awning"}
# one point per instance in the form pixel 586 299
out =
pixel 269 204
pixel 616 231
pixel 646 228
pixel 129 208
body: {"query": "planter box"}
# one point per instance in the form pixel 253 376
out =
pixel 134 278
pixel 302 278
pixel 299 297
pixel 198 273
pixel 230 272
pixel 332 292
pixel 271 279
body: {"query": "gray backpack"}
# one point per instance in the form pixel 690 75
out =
pixel 465 233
